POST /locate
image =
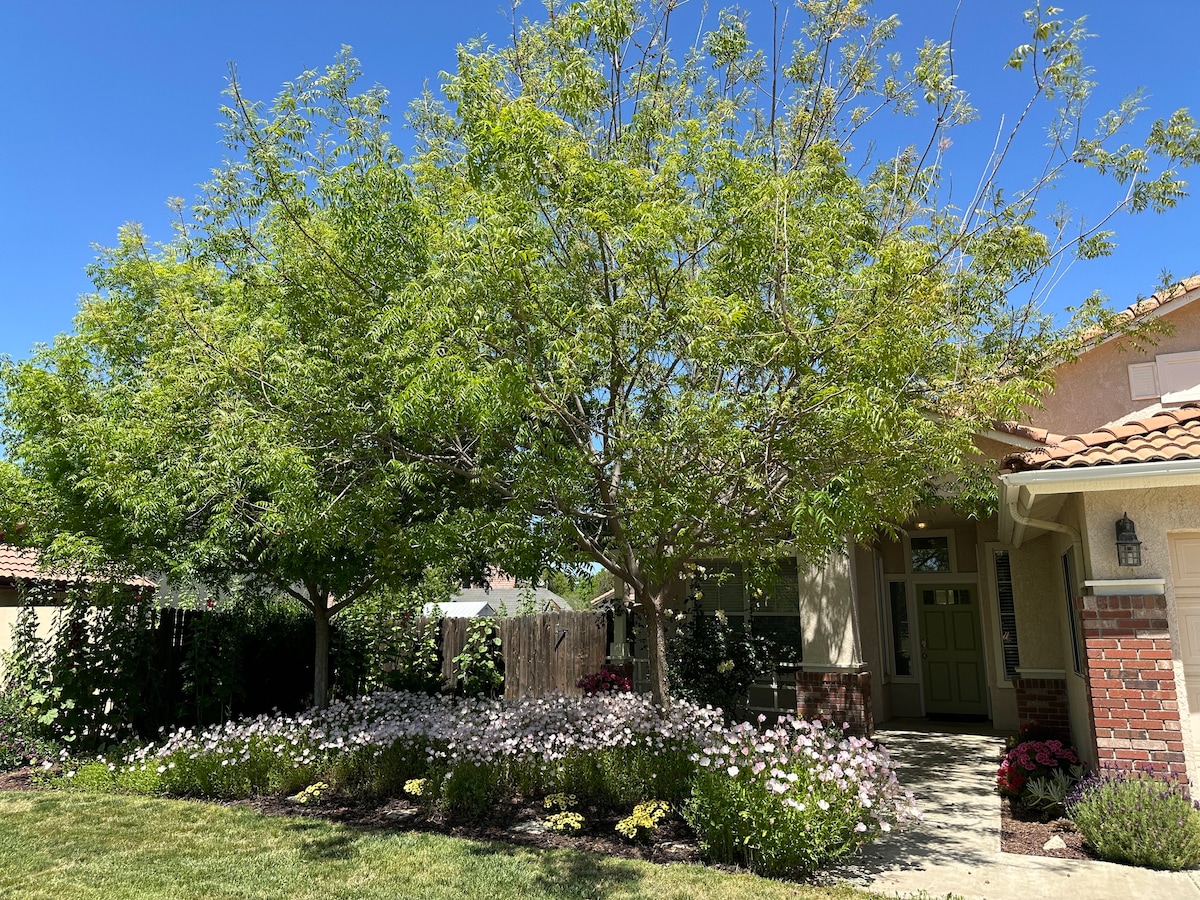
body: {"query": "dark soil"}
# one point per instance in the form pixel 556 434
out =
pixel 17 779
pixel 515 822
pixel 1021 831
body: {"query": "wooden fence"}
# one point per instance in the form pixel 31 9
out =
pixel 542 654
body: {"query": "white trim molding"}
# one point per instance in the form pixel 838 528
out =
pixel 1122 587
pixel 1047 674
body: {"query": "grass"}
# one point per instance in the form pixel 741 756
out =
pixel 80 845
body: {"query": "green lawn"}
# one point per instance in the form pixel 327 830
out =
pixel 77 845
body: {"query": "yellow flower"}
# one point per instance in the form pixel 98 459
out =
pixel 562 801
pixel 564 821
pixel 415 787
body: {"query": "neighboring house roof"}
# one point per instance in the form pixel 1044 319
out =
pixel 471 602
pixel 22 564
pixel 511 601
pixel 1168 435
pixel 17 563
pixel 460 609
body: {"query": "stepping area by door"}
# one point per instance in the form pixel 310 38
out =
pixel 956 849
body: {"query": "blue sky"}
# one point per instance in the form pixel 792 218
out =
pixel 113 109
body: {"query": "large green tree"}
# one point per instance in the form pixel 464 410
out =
pixel 222 410
pixel 698 319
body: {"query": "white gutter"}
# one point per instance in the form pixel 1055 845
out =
pixel 1172 473
pixel 1019 490
pixel 1013 440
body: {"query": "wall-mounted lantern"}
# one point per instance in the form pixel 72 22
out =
pixel 1129 548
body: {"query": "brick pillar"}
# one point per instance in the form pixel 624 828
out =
pixel 1131 682
pixel 837 698
pixel 1043 702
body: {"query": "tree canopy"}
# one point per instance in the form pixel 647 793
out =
pixel 223 411
pixel 709 325
pixel 633 305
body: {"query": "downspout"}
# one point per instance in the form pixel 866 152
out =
pixel 1028 522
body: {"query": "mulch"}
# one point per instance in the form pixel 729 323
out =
pixel 1022 831
pixel 515 822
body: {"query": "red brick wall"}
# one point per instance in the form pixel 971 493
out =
pixel 836 697
pixel 1131 682
pixel 1043 701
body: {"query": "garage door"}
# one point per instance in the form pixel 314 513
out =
pixel 1185 575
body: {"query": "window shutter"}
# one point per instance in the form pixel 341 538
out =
pixel 1143 381
pixel 1179 376
pixel 1008 613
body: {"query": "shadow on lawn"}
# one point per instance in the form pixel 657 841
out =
pixel 341 843
pixel 567 871
pixel 558 872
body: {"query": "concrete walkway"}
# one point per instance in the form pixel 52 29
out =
pixel 956 849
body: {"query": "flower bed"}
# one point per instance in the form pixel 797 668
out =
pixel 820 795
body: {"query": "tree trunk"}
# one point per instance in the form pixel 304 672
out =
pixel 321 657
pixel 651 602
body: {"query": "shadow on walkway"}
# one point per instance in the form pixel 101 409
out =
pixel 951 769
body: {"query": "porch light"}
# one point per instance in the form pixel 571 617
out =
pixel 1129 548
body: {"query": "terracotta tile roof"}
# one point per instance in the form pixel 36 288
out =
pixel 1041 435
pixel 1170 434
pixel 21 564
pixel 17 562
pixel 1163 297
pixel 1145 307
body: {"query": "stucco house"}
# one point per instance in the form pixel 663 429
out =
pixel 20 571
pixel 1034 615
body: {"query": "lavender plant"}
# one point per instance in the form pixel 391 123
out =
pixel 1137 818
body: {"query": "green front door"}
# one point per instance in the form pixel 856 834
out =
pixel 951 650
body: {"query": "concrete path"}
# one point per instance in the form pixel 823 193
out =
pixel 957 847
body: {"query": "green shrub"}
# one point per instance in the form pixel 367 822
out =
pixel 1137 818
pixel 711 661
pixel 789 800
pixel 1047 794
pixel 21 742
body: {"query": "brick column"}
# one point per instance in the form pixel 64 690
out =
pixel 1043 702
pixel 836 698
pixel 1131 682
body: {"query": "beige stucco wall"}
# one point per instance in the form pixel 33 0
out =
pixel 1043 623
pixel 10 605
pixel 828 612
pixel 1039 599
pixel 1094 390
pixel 1156 513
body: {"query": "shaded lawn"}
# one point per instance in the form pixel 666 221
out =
pixel 60 844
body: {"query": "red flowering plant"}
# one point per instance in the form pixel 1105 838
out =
pixel 1033 760
pixel 603 682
